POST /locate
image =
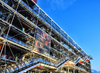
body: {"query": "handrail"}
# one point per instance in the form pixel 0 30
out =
pixel 80 68
pixel 31 61
pixel 17 41
pixel 22 64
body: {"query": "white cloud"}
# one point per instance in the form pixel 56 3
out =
pixel 60 4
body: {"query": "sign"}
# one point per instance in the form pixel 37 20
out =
pixel 42 42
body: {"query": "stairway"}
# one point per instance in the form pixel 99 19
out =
pixel 77 60
pixel 33 62
pixel 62 63
pixel 24 65
pixel 29 64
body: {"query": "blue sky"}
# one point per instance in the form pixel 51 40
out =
pixel 81 20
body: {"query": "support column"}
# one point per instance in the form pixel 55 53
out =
pixel 68 69
pixel 73 70
pixel 79 71
pixel 39 71
pixel 61 68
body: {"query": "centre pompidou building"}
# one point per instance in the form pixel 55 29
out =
pixel 32 42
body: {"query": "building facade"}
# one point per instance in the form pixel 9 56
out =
pixel 32 42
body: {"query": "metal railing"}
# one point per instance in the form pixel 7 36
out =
pixel 32 61
pixel 17 41
pixel 24 64
pixel 80 68
pixel 77 60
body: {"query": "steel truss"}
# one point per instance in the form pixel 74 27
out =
pixel 38 19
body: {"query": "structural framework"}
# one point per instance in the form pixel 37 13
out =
pixel 32 42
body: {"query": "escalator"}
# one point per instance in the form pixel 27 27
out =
pixel 62 63
pixel 85 58
pixel 24 65
pixel 77 60
pixel 30 64
pixel 56 66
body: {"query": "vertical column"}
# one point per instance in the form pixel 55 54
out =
pixel 61 68
pixel 61 43
pixel 50 36
pixel 73 70
pixel 79 71
pixel 4 44
pixel 39 71
pixel 68 70
pixel 65 72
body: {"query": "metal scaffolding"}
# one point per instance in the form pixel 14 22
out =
pixel 23 26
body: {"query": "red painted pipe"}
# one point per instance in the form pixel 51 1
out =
pixel 35 1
